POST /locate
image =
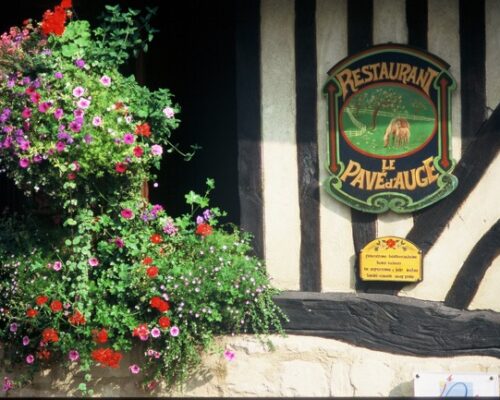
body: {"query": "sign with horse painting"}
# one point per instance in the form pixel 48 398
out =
pixel 389 120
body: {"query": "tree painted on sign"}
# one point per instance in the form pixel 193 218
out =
pixel 374 102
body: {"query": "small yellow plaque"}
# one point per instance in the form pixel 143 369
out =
pixel 390 258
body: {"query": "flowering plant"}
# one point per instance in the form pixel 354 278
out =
pixel 107 270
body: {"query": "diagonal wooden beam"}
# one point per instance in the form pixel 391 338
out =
pixel 471 274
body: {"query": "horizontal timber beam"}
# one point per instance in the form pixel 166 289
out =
pixel 399 325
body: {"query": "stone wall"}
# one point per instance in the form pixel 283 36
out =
pixel 298 366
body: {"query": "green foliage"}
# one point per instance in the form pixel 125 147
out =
pixel 96 269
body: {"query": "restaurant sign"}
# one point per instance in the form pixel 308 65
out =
pixel 389 120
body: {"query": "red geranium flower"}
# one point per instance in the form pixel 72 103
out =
pixel 43 354
pixel 56 306
pixel 142 331
pixel 152 271
pixel 156 238
pixel 107 356
pixel 77 318
pixel 41 300
pixel 158 303
pixel 147 260
pixel 120 167
pixel 53 21
pixel 100 336
pixel 138 151
pixel 143 130
pixel 31 313
pixel 203 229
pixel 50 335
pixel 164 322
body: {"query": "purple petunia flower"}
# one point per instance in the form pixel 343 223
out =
pixel 88 139
pixel 170 228
pixel 128 138
pixel 30 358
pixel 26 113
pixel 80 63
pixel 199 220
pixel 79 113
pixel 44 107
pixel 75 126
pixel 58 113
pixel 13 327
pixel 119 242
pixel 58 75
pixel 207 214
pixel 26 340
pixel 23 162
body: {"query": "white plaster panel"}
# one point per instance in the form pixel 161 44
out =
pixel 279 150
pixel 487 297
pixel 444 41
pixel 492 12
pixel 389 21
pixel 472 220
pixel 337 249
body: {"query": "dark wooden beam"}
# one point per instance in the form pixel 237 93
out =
pixel 471 274
pixel 417 23
pixel 307 144
pixel 360 37
pixel 249 120
pixel 472 68
pixel 392 324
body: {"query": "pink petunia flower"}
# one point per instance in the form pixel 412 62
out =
pixel 135 369
pixel 229 355
pixel 57 266
pixel 73 355
pixel 105 80
pixel 83 103
pixel 60 146
pixel 26 340
pixel 156 150
pixel 97 121
pixel 127 213
pixel 78 91
pixel 58 113
pixel 24 163
pixel 30 358
pixel 174 331
pixel 93 262
pixel 155 332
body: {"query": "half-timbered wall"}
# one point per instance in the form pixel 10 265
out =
pixel 310 240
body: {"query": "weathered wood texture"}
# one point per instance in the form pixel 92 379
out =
pixel 475 266
pixel 307 144
pixel 249 120
pixel 469 171
pixel 392 324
